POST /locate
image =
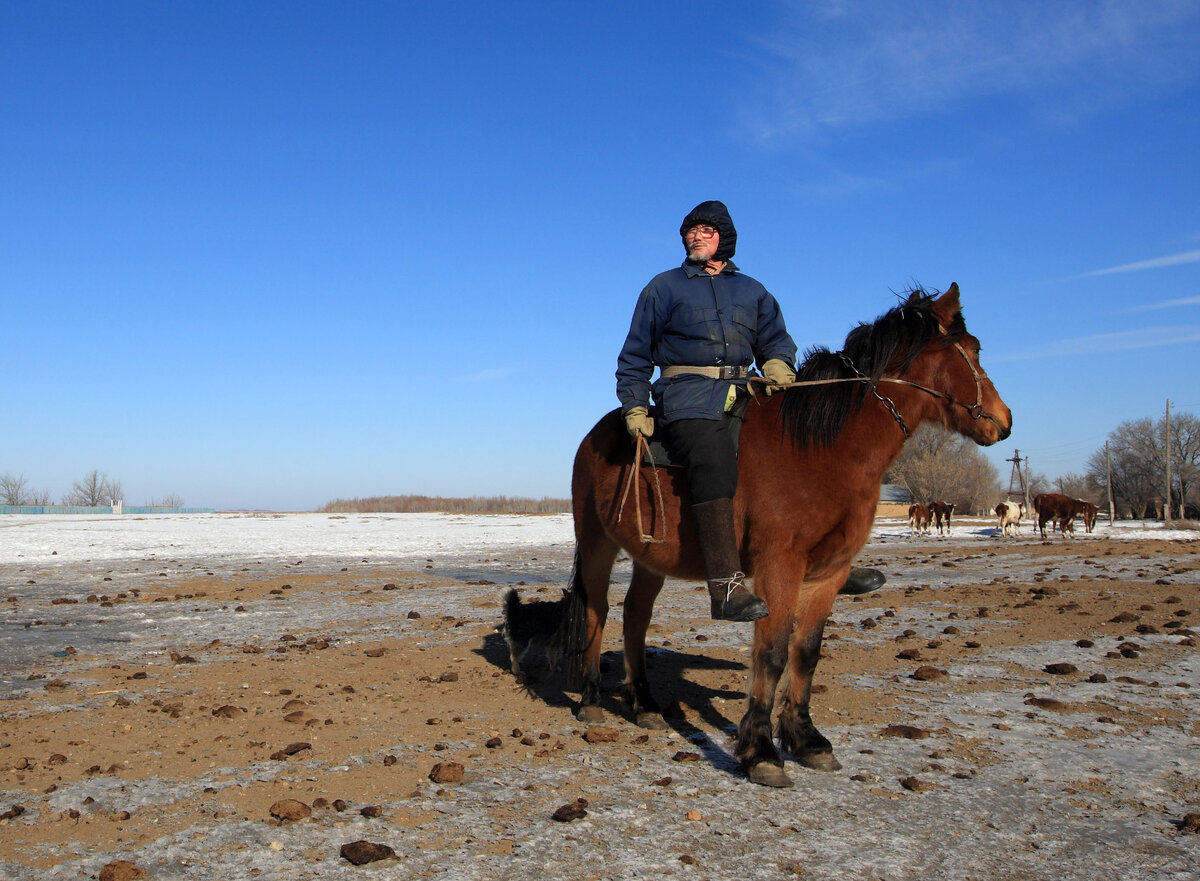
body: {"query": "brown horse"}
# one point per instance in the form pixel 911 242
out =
pixel 812 462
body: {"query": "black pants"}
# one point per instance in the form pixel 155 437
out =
pixel 706 445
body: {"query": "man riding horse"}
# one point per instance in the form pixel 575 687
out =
pixel 704 324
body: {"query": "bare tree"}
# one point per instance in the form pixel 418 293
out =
pixel 1185 456
pixel 1137 450
pixel 1038 484
pixel 14 490
pixel 1078 486
pixel 93 490
pixel 938 464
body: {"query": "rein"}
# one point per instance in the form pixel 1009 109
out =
pixel 640 446
pixel 975 410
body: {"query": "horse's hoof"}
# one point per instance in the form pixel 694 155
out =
pixel 652 721
pixel 590 714
pixel 766 774
pixel 820 762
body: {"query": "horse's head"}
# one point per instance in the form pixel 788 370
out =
pixel 950 365
pixel 921 344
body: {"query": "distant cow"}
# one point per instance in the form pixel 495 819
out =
pixel 941 513
pixel 918 520
pixel 1089 512
pixel 1060 509
pixel 1009 516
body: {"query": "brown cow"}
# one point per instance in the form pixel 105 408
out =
pixel 918 520
pixel 1061 509
pixel 941 512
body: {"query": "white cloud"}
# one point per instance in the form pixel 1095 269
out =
pixel 1166 304
pixel 1156 263
pixel 861 61
pixel 1120 341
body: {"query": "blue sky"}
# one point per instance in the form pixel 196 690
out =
pixel 264 255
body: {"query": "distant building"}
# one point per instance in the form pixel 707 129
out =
pixel 894 500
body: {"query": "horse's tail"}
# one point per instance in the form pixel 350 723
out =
pixel 510 603
pixel 573 627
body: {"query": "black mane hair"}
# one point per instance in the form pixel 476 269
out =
pixel 814 416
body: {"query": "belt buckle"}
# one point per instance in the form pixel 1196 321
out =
pixel 728 372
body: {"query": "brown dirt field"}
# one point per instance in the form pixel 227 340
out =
pixel 104 757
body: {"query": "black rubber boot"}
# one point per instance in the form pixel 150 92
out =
pixel 731 599
pixel 863 580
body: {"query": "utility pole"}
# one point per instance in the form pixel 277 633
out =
pixel 1016 477
pixel 1025 483
pixel 1167 444
pixel 1112 511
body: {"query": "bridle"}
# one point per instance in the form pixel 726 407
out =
pixel 975 410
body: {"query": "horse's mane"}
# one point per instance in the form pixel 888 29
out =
pixel 814 416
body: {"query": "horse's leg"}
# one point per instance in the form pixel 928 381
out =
pixel 638 609
pixel 596 558
pixel 797 733
pixel 755 742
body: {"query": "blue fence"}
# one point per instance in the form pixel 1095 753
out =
pixel 84 509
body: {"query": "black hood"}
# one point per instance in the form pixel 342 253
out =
pixel 715 214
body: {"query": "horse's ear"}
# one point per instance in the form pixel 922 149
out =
pixel 947 306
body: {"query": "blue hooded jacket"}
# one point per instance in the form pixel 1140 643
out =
pixel 687 317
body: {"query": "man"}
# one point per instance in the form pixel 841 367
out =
pixel 704 324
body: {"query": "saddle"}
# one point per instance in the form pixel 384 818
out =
pixel 658 448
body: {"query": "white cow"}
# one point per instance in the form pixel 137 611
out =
pixel 1010 514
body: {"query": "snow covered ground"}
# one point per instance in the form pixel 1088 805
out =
pixel 67 539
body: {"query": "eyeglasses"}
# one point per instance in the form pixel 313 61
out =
pixel 704 231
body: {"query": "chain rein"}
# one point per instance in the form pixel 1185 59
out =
pixel 888 403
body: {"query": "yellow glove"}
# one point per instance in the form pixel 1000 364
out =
pixel 777 373
pixel 638 421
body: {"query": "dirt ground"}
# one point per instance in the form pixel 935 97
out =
pixel 178 759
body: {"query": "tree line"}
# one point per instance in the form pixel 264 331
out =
pixel 94 490
pixel 1136 458
pixel 936 463
pixel 416 504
